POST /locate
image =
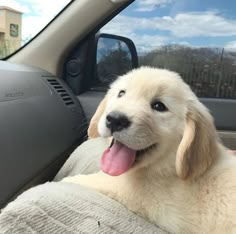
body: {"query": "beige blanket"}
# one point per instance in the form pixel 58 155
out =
pixel 69 208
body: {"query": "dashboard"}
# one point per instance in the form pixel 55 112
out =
pixel 41 122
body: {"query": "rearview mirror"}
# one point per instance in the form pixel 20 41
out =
pixel 115 56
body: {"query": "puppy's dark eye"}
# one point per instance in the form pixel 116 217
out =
pixel 158 106
pixel 121 93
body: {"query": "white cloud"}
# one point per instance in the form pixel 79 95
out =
pixel 15 5
pixel 146 43
pixel 44 12
pixel 150 5
pixel 143 42
pixel 184 43
pixel 183 25
pixel 231 46
pixel 197 24
pixel 148 33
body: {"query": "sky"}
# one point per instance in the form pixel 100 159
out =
pixel 150 23
pixel 36 13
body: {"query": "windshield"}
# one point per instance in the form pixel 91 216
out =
pixel 21 20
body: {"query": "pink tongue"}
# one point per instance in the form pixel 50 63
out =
pixel 117 160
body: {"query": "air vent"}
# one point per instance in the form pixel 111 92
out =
pixel 62 92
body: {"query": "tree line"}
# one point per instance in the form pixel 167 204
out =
pixel 211 72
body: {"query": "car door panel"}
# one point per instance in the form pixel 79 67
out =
pixel 223 111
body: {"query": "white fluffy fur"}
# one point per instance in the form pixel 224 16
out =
pixel 187 183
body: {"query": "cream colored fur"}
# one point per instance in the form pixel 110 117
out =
pixel 187 183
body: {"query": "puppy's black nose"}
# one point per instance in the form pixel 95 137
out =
pixel 117 121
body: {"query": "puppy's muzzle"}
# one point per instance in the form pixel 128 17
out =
pixel 117 121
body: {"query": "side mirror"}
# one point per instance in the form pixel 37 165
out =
pixel 115 56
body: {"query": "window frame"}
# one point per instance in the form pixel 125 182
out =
pixel 223 110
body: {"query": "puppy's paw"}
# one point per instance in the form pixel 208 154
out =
pixel 93 181
pixel 98 181
pixel 78 179
pixel 72 179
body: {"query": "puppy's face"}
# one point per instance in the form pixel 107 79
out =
pixel 151 114
pixel 145 110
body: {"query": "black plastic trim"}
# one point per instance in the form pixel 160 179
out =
pixel 87 60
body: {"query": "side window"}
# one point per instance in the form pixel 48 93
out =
pixel 195 39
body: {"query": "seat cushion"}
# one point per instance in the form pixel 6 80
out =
pixel 57 207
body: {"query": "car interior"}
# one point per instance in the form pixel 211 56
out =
pixel 49 91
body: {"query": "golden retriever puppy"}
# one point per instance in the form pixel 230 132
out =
pixel 165 162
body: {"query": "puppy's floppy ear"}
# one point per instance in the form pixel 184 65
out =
pixel 92 129
pixel 198 147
